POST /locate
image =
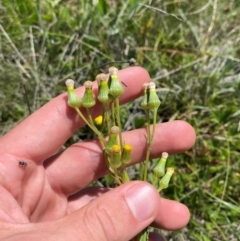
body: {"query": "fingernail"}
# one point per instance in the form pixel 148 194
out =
pixel 141 201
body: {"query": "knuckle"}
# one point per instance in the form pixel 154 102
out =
pixel 101 223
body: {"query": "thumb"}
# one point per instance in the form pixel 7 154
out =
pixel 118 215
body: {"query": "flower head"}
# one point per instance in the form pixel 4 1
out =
pixel 126 157
pixel 103 89
pixel 116 156
pixel 153 100
pixel 115 87
pixel 88 99
pixel 98 120
pixel 166 178
pixel 113 138
pixel 144 103
pixel 73 99
pixel 159 169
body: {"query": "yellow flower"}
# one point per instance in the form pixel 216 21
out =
pixel 116 156
pixel 98 120
pixel 126 157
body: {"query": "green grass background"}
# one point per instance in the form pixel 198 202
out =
pixel 190 48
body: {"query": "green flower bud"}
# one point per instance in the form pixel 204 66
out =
pixel 166 179
pixel 115 87
pixel 144 102
pixel 103 89
pixel 73 99
pixel 88 99
pixel 153 100
pixel 159 169
pixel 112 139
pixel 126 156
pixel 116 156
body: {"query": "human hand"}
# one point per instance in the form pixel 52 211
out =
pixel 48 199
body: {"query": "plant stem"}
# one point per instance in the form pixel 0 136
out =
pixel 92 127
pixel 90 118
pixel 145 165
pixel 113 122
pixel 150 137
pixel 119 122
pixel 106 116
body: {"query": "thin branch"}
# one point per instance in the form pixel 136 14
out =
pixel 12 44
pixel 162 11
pixel 210 28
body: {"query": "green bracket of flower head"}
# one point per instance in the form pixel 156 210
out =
pixel 163 184
pixel 159 169
pixel 126 156
pixel 144 103
pixel 113 138
pixel 153 99
pixel 125 160
pixel 88 99
pixel 115 87
pixel 73 100
pixel 116 156
pixel 104 98
pixel 113 161
pixel 103 89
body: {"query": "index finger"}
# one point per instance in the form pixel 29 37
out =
pixel 44 132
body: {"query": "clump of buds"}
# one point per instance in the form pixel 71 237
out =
pixel 117 153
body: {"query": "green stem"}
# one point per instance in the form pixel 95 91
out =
pixel 119 122
pixel 146 162
pixel 113 122
pixel 155 179
pixel 116 177
pixel 93 128
pixel 153 126
pixel 90 118
pixel 159 189
pixel 103 119
pixel 106 117
pixel 150 137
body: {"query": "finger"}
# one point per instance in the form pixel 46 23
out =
pixel 172 215
pixel 82 163
pixel 84 197
pixel 46 130
pixel 102 219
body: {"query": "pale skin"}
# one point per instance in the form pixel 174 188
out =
pixel 48 199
